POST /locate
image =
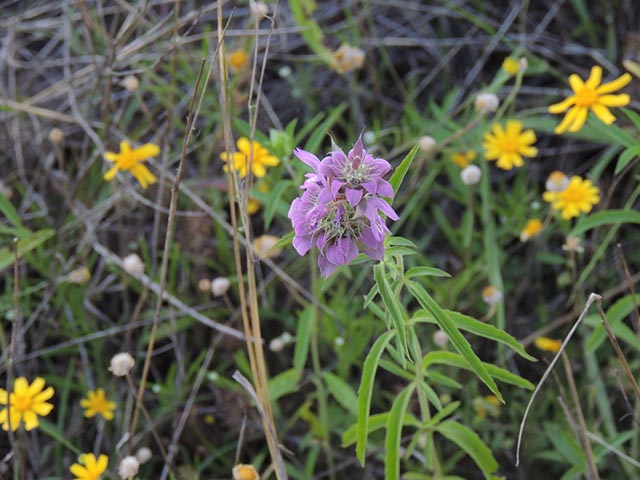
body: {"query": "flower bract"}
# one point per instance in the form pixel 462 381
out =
pixel 97 403
pixel 130 160
pixel 590 95
pixel 343 207
pixel 90 467
pixel 25 403
pixel 578 197
pixel 250 157
pixel 509 144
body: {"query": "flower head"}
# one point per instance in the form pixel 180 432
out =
pixel 590 95
pixel 250 157
pixel 548 344
pixel 491 295
pixel 342 209
pixel 347 58
pixel 90 467
pixel 121 364
pixel 133 264
pixel 489 405
pixel 238 59
pixel 573 244
pixel 486 102
pixel 263 246
pixel 245 472
pixel 96 403
pixel 463 159
pixel 579 196
pixel 25 403
pixel 220 286
pixel 471 175
pixel 131 160
pixel 557 181
pixel 511 65
pixel 427 144
pixel 508 145
pixel 531 229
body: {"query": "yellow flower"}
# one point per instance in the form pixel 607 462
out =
pixel 245 472
pixel 463 159
pixel 508 145
pixel 130 160
pixel 531 229
pixel 590 95
pixel 511 65
pixel 548 344
pixel 89 467
pixel 96 403
pixel 238 59
pixel 579 197
pixel 242 163
pixel 26 402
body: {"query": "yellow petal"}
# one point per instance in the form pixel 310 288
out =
pixel 527 137
pixel 603 113
pixel 4 396
pixel 103 461
pixel 112 157
pixel 42 409
pixel 146 151
pixel 125 147
pixel 140 177
pixel 270 160
pixel 550 196
pixel 111 173
pixel 30 420
pixel 244 145
pixel 36 387
pixel 79 471
pixel 21 386
pixel 562 106
pixel 614 85
pixel 576 83
pixel 45 395
pixel 514 127
pixel 566 121
pixel 259 171
pixel 529 151
pixel 581 118
pixel 620 100
pixel 595 78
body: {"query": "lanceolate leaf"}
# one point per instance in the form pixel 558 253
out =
pixel 402 169
pixel 394 432
pixel 470 442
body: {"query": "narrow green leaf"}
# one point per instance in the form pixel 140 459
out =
pixel 284 241
pixel 615 314
pixel 342 392
pixel 481 329
pixel 626 156
pixel 457 339
pixel 394 432
pixel 284 383
pixel 471 443
pixel 606 217
pixel 402 169
pixel 376 422
pixel 8 211
pixel 26 244
pixel 392 304
pixel 366 390
pixel 303 337
pixel 425 272
pixel 273 202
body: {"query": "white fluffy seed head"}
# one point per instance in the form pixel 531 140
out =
pixel 121 364
pixel 128 467
pixel 258 10
pixel 131 83
pixel 56 135
pixel 144 454
pixel 276 345
pixel 426 143
pixel 220 286
pixel 471 174
pixel 133 264
pixel 491 295
pixel 486 102
pixel 440 338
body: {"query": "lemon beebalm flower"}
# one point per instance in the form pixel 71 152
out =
pixel 532 228
pixel 26 403
pixel 241 159
pixel 511 65
pixel 97 403
pixel 509 144
pixel 463 159
pixel 130 160
pixel 590 95
pixel 548 344
pixel 89 467
pixel 578 197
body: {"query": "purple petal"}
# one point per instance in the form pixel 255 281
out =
pixel 326 267
pixel 385 189
pixel 302 244
pixel 308 158
pixel 353 195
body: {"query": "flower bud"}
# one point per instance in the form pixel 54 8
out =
pixel 79 276
pixel 471 175
pixel 220 286
pixel 486 102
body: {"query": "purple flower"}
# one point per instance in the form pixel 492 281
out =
pixel 341 210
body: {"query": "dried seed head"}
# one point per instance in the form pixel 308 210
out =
pixel 56 136
pixel 486 102
pixel 79 276
pixel 263 245
pixel 440 338
pixel 471 175
pixel 348 58
pixel 556 182
pixel 121 364
pixel 258 10
pixel 220 286
pixel 133 265
pixel 204 285
pixel 130 83
pixel 144 455
pixel 276 345
pixel 426 143
pixel 245 472
pixel 128 467
pixel 491 295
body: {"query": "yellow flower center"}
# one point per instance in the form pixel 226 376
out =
pixel 573 194
pixel 22 403
pixel 127 160
pixel 586 97
pixel 509 145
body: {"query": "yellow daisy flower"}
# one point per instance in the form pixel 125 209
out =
pixel 463 159
pixel 131 160
pixel 511 65
pixel 548 344
pixel 26 402
pixel 590 95
pixel 96 403
pixel 508 145
pixel 579 196
pixel 245 472
pixel 238 59
pixel 90 467
pixel 531 229
pixel 242 163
